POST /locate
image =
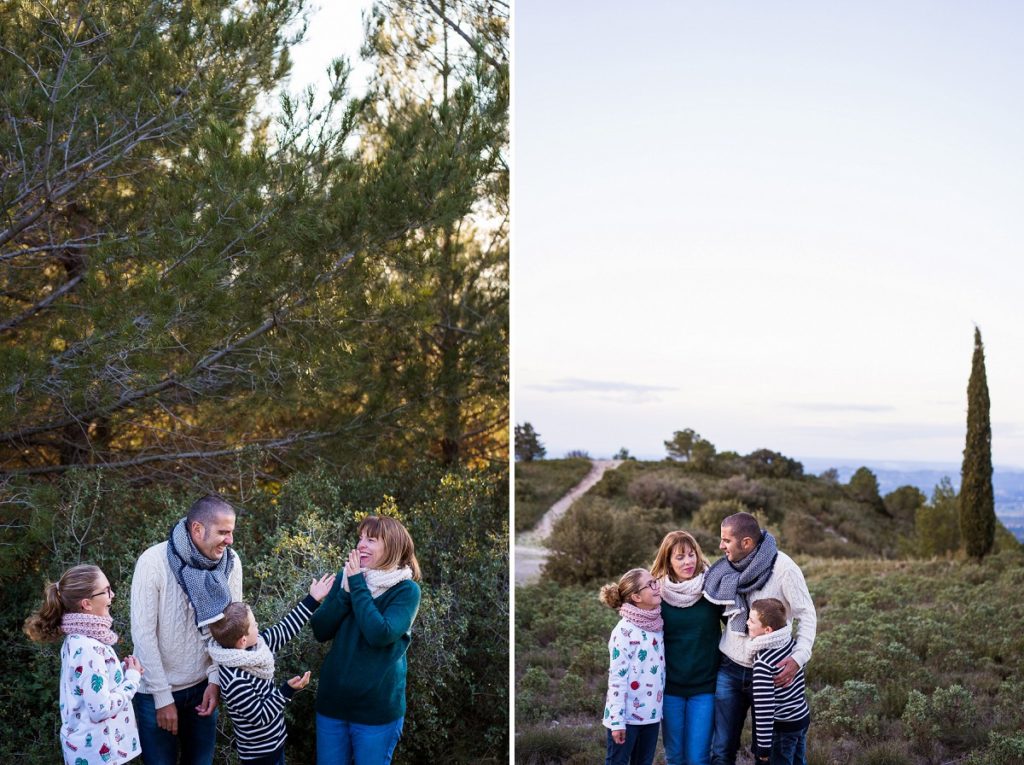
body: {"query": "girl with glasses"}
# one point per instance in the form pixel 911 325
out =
pixel 98 722
pixel 636 675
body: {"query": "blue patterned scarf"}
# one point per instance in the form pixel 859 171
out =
pixel 204 581
pixel 728 584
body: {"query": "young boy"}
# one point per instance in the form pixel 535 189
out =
pixel 781 715
pixel 246 659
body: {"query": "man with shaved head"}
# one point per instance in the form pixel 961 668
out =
pixel 179 588
pixel 753 568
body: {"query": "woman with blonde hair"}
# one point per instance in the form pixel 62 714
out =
pixel 636 674
pixel 97 719
pixel 693 629
pixel 368 616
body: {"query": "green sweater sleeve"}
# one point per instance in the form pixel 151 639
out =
pixel 382 628
pixel 326 619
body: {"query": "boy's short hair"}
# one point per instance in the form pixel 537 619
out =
pixel 235 623
pixel 771 612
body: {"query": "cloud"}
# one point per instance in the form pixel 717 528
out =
pixel 824 407
pixel 605 389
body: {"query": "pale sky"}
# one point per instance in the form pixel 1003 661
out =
pixel 776 224
pixel 335 29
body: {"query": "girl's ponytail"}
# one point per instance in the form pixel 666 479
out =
pixel 614 595
pixel 59 598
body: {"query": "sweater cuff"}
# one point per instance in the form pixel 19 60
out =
pixel 132 676
pixel 287 691
pixel 311 603
pixel 163 698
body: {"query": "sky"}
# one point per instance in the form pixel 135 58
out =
pixel 335 29
pixel 777 224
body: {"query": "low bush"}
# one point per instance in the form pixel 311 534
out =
pixel 659 490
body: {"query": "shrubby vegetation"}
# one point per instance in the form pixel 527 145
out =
pixel 458 693
pixel 916 662
pixel 539 484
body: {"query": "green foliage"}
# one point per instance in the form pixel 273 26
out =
pixel 937 525
pixel 711 514
pixel 914 661
pixel 902 503
pixel 595 541
pixel 863 488
pixel 769 464
pixel 540 484
pixel 977 503
pixel 528 445
pixel 661 490
pixel 287 534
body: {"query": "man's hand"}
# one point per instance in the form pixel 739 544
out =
pixel 619 736
pixel 211 697
pixel 319 589
pixel 298 683
pixel 167 718
pixel 789 670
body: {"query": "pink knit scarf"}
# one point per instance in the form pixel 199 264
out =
pixel 649 621
pixel 90 625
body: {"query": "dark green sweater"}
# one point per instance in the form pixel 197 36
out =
pixel 362 679
pixel 691 647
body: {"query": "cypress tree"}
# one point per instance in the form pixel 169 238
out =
pixel 977 505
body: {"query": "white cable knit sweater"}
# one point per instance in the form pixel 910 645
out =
pixel 164 633
pixel 786 584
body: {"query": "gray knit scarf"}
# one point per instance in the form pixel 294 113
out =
pixel 204 581
pixel 729 584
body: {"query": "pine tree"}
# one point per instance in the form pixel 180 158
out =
pixel 528 445
pixel 977 505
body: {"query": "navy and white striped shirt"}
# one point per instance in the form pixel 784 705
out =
pixel 776 709
pixel 255 705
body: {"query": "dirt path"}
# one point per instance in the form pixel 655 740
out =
pixel 530 552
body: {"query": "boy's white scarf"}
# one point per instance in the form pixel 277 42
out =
pixel 682 594
pixel 258 661
pixel 768 642
pixel 378 580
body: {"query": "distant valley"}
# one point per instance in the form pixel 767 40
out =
pixel 1007 483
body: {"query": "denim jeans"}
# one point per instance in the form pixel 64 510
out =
pixel 686 726
pixel 196 735
pixel 343 743
pixel 638 749
pixel 789 748
pixel 733 698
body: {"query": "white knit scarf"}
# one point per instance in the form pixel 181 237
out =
pixel 258 661
pixel 682 594
pixel 767 642
pixel 379 580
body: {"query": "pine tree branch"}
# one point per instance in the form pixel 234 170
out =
pixel 477 47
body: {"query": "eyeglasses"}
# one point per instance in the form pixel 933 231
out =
pixel 110 593
pixel 654 584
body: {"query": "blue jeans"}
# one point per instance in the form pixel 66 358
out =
pixel 789 748
pixel 686 728
pixel 733 698
pixel 638 749
pixel 343 743
pixel 196 735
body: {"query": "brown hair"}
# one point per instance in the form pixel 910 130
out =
pixel 59 598
pixel 229 629
pixel 770 612
pixel 614 595
pixel 744 525
pixel 395 539
pixel 662 565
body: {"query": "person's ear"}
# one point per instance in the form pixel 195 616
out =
pixel 85 604
pixel 242 641
pixel 768 629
